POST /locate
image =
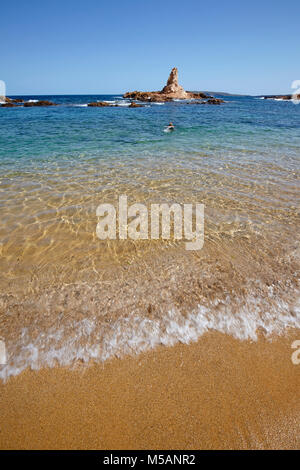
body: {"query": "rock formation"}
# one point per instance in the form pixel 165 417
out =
pixel 172 88
pixel 171 91
pixel 214 101
pixel 8 105
pixel 5 99
pixel 209 101
pixel 135 105
pixel 281 97
pixel 29 104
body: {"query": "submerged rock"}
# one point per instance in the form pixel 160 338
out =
pixel 135 105
pixel 6 102
pixel 281 97
pixel 209 101
pixel 171 91
pixel 214 101
pixel 99 104
pixel 5 99
pixel 200 96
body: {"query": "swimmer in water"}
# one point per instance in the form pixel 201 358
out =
pixel 171 126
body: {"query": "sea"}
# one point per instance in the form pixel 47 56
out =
pixel 68 296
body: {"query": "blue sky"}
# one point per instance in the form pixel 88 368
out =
pixel 115 46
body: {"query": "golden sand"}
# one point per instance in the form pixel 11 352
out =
pixel 217 393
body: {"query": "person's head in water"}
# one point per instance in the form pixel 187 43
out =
pixel 171 124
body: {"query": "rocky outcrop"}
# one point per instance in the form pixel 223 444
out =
pixel 171 91
pixel 214 101
pixel 152 96
pixel 199 95
pixel 99 104
pixel 6 100
pixel 209 101
pixel 172 88
pixel 30 104
pixel 135 105
pixel 8 105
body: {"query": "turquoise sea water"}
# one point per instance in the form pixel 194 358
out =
pixel 243 126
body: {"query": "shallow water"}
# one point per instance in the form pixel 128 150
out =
pixel 67 295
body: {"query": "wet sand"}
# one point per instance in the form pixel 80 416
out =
pixel 218 393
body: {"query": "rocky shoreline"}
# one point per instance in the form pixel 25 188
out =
pixel 172 91
pixel 18 102
pixel 281 97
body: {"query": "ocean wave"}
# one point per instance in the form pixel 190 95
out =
pixel 86 340
pixel 123 103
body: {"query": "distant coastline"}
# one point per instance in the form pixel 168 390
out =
pixel 280 97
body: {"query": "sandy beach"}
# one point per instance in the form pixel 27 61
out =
pixel 141 343
pixel 218 393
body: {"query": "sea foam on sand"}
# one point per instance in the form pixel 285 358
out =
pixel 86 340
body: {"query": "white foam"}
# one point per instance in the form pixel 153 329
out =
pixel 85 340
pixel 32 101
pixel 123 103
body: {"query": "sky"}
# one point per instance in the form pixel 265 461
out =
pixel 114 46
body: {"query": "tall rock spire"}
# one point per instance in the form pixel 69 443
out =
pixel 171 91
pixel 172 85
